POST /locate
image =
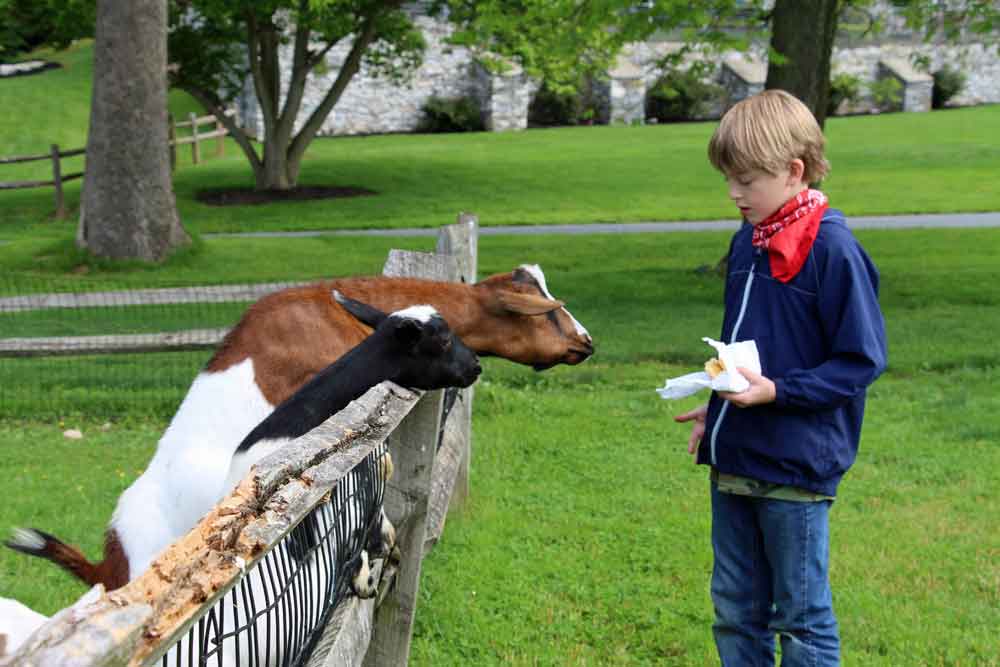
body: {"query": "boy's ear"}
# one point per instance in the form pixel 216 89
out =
pixel 796 170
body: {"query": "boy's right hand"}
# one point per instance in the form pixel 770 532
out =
pixel 697 429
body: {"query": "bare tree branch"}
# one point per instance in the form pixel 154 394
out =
pixel 347 71
pixel 300 73
pixel 267 103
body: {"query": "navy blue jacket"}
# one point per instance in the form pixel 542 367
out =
pixel 821 339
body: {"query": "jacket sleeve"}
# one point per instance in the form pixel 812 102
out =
pixel 852 324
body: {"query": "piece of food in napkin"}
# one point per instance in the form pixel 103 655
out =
pixel 742 354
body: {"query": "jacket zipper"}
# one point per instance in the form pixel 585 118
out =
pixel 732 339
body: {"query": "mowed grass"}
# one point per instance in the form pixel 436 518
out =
pixel 585 541
pixel 938 162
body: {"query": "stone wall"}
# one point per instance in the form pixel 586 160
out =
pixel 372 105
pixel 979 62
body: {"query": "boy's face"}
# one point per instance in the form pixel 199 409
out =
pixel 758 194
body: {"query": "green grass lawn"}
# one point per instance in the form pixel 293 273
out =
pixel 585 541
pixel 938 162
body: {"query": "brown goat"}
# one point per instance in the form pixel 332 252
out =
pixel 293 334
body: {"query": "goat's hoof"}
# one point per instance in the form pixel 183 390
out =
pixel 382 537
pixel 385 466
pixel 363 582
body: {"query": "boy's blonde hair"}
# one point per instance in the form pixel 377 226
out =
pixel 766 132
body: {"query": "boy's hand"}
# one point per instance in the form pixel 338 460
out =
pixel 760 391
pixel 698 428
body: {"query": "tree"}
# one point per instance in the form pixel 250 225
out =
pixel 802 33
pixel 535 34
pixel 128 208
pixel 954 21
pixel 217 44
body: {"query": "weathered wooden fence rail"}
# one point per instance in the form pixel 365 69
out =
pixel 219 133
pixel 139 623
pixel 189 339
pixel 194 121
pixel 58 178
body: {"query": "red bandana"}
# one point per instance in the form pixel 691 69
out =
pixel 788 233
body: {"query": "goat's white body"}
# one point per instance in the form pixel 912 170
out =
pixel 188 473
pixel 240 463
pixel 17 623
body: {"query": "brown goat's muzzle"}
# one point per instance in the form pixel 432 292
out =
pixel 572 357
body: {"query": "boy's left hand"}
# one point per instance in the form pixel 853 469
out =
pixel 760 391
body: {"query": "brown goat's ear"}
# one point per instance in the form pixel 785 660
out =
pixel 526 304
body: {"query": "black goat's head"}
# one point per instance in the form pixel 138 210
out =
pixel 428 354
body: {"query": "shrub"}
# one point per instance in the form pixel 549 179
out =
pixel 550 108
pixel 28 24
pixel 843 88
pixel 681 94
pixel 886 93
pixel 459 114
pixel 947 83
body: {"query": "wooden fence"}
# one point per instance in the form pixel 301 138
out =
pixel 56 155
pixel 191 339
pixel 137 624
pixel 219 133
pixel 58 178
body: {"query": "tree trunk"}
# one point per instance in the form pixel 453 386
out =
pixel 803 32
pixel 128 209
pixel 272 173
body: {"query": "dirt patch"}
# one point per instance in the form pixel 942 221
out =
pixel 251 197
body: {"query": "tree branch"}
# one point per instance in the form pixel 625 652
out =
pixel 300 72
pixel 347 71
pixel 315 58
pixel 267 103
pixel 211 102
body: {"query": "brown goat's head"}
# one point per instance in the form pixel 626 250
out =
pixel 528 325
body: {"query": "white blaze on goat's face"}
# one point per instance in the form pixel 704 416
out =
pixel 421 313
pixel 536 273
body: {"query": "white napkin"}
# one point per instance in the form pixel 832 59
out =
pixel 742 354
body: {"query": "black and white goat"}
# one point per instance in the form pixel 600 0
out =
pixel 413 347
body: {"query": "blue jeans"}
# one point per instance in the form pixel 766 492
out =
pixel 771 577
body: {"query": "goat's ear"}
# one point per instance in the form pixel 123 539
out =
pixel 407 330
pixel 526 304
pixel 362 311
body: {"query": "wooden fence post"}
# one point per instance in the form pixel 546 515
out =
pixel 195 148
pixel 220 141
pixel 57 182
pixel 460 240
pixel 172 141
pixel 413 446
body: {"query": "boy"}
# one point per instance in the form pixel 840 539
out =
pixel 802 287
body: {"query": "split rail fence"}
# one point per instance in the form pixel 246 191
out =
pixel 56 155
pixel 262 578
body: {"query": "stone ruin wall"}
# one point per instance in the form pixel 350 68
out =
pixel 374 105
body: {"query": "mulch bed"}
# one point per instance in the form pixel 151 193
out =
pixel 249 196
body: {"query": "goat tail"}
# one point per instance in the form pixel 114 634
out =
pixel 43 545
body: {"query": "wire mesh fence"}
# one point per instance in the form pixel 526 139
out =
pixel 111 352
pixel 276 613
